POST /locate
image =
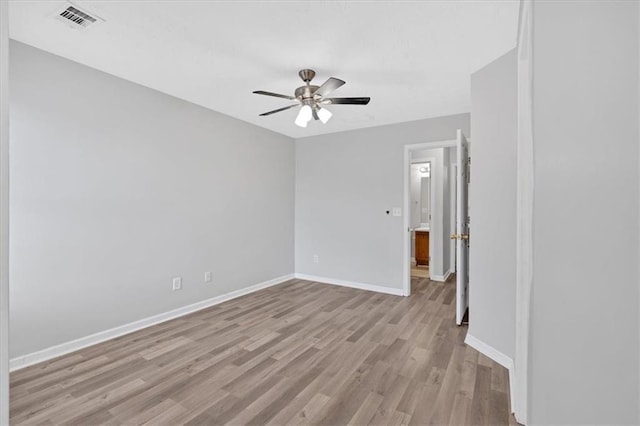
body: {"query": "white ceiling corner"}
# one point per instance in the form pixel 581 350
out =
pixel 414 59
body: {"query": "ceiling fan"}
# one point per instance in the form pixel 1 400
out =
pixel 311 99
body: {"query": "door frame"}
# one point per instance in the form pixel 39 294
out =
pixel 462 226
pixel 4 213
pixel 524 214
pixel 406 240
pixel 453 180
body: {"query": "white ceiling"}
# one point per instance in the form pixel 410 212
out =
pixel 413 59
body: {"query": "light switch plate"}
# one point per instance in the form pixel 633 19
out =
pixel 397 211
pixel 177 283
pixel 207 277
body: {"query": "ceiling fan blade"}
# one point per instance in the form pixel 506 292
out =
pixel 277 95
pixel 329 86
pixel 347 101
pixel 278 110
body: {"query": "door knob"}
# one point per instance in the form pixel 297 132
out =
pixel 464 237
pixel 455 236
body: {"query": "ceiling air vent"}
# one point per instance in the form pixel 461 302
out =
pixel 76 18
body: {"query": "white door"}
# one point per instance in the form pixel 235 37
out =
pixel 462 229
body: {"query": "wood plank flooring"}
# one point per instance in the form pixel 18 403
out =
pixel 297 353
pixel 421 271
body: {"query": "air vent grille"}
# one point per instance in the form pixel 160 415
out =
pixel 77 16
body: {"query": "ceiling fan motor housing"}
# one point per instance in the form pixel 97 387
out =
pixel 305 92
pixel 307 75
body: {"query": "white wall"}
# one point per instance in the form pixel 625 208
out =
pixel 116 188
pixel 424 210
pixel 492 204
pixel 4 210
pixel 415 191
pixel 584 314
pixel 345 182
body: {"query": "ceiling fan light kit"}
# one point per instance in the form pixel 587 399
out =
pixel 324 115
pixel 311 99
pixel 304 116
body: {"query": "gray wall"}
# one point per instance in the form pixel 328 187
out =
pixel 492 204
pixel 117 188
pixel 584 318
pixel 344 184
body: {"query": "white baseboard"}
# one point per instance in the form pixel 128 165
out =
pixel 440 278
pixel 102 336
pixel 497 356
pixel 343 283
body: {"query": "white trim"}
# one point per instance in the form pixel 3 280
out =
pixel 102 336
pixel 453 180
pixel 440 278
pixel 449 143
pixel 495 355
pixel 352 284
pixel 524 212
pixel 638 18
pixel 489 351
pixel 406 240
pixel 407 237
pixel 4 213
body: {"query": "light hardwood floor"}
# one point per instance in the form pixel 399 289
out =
pixel 296 353
pixel 419 271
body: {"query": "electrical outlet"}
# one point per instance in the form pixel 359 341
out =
pixel 207 277
pixel 316 259
pixel 177 283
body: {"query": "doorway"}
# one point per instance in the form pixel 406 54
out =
pixel 448 168
pixel 427 224
pixel 421 194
